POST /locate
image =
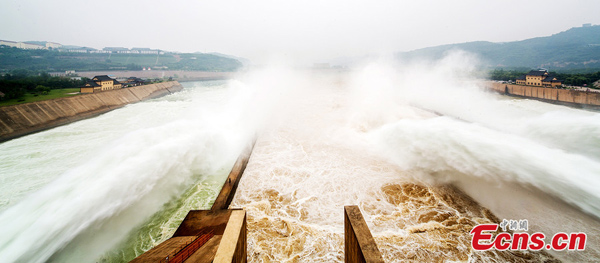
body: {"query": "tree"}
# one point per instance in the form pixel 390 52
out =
pixel 11 89
pixel 40 89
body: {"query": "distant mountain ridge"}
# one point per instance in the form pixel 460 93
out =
pixel 576 48
pixel 12 58
pixel 244 61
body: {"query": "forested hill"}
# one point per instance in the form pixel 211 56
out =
pixel 49 60
pixel 576 48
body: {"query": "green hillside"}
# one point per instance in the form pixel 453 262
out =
pixel 576 48
pixel 49 60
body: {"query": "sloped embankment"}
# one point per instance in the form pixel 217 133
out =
pixel 23 119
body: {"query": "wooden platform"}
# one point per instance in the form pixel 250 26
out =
pixel 198 220
pixel 220 236
pixel 165 250
pixel 216 235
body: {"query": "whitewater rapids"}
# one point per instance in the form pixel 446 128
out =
pixel 403 143
pixel 108 188
pixel 392 141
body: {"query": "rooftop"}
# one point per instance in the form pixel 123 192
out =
pixel 91 84
pixel 102 77
pixel 538 73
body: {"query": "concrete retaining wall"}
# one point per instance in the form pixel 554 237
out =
pixel 22 119
pixel 560 96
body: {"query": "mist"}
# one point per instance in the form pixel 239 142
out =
pixel 343 137
pixel 325 138
pixel 308 32
pixel 161 149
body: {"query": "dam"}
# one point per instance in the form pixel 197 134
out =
pixel 575 98
pixel 22 119
pixel 109 188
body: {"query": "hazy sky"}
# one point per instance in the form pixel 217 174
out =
pixel 308 31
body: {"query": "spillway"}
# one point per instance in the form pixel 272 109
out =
pixel 388 140
pixel 110 187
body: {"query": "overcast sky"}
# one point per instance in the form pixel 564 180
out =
pixel 307 31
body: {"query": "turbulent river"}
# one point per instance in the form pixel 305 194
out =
pixel 408 146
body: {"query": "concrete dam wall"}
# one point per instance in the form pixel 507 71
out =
pixel 23 119
pixel 559 96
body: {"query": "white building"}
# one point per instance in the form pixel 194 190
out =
pixel 77 50
pixel 52 45
pixel 24 45
pixel 9 43
pixel 100 52
pixel 144 50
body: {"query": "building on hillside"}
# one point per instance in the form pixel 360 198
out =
pixel 100 52
pixel 540 78
pixel 520 80
pixel 144 50
pixel 117 85
pixel 90 87
pixel 21 45
pixel 115 49
pixel 106 82
pixel 551 82
pixel 134 81
pixel 52 45
pixel 100 83
pixel 76 50
pixel 9 43
pixel 72 49
pixel 24 45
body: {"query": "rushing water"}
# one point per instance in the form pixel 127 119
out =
pixel 375 138
pixel 385 138
pixel 72 193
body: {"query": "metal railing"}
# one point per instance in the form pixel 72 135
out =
pixel 187 250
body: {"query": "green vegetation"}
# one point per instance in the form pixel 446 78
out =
pixel 572 79
pixel 21 86
pixel 160 226
pixel 577 48
pixel 51 60
pixel 33 97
